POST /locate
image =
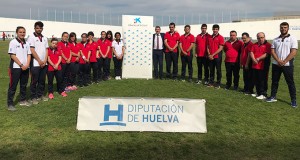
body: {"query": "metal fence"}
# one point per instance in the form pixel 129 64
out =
pixel 109 18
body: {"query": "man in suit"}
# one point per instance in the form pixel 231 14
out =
pixel 158 48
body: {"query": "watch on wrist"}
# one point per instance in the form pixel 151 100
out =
pixel 21 65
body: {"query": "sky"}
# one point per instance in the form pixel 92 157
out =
pixel 188 11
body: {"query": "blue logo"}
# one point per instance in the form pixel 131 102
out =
pixel 108 113
pixel 137 20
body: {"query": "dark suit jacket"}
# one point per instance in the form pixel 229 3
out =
pixel 163 39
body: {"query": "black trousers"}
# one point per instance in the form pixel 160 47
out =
pixel 74 68
pixel 215 64
pixel 288 72
pixel 106 67
pixel 248 80
pixel 58 76
pixel 232 68
pixel 202 62
pixel 187 60
pixel 258 79
pixel 172 57
pixel 38 78
pixel 100 72
pixel 118 66
pixel 94 67
pixel 158 63
pixel 83 74
pixel 266 76
pixel 16 75
pixel 66 74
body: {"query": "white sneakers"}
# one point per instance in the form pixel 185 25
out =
pixel 261 97
pixel 118 78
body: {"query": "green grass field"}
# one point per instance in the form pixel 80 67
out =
pixel 239 126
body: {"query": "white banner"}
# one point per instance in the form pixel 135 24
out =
pixel 137 35
pixel 142 114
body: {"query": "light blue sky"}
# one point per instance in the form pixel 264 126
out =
pixel 193 11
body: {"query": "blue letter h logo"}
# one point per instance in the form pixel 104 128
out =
pixel 108 113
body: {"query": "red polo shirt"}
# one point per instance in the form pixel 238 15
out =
pixel 258 50
pixel 54 55
pixel 104 46
pixel 172 40
pixel 245 52
pixel 186 41
pixel 214 42
pixel 201 44
pixel 232 50
pixel 84 48
pixel 65 49
pixel 93 48
pixel 74 49
pixel 110 53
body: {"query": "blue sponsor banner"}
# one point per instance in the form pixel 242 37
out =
pixel 142 114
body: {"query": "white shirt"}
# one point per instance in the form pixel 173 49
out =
pixel 40 46
pixel 283 47
pixel 21 52
pixel 118 47
pixel 160 42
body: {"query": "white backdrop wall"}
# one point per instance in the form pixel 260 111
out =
pixel 271 27
pixel 55 28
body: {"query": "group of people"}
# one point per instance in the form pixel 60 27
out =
pixel 75 64
pixel 253 58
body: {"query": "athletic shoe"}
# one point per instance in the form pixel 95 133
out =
pixel 51 96
pixel 70 88
pixel 261 97
pixel 117 78
pixel 11 108
pixel 199 82
pixel 25 103
pixel 64 94
pixel 217 86
pixel 67 89
pixel 210 85
pixel 254 95
pixel 247 93
pixel 206 83
pixel 190 80
pixel 227 88
pixel 34 101
pixel 183 80
pixel 44 98
pixel 74 87
pixel 294 104
pixel 271 99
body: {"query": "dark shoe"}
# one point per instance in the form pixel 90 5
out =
pixel 294 104
pixel 227 87
pixel 271 99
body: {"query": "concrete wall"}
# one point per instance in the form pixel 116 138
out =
pixel 271 27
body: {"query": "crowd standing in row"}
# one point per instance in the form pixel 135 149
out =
pixel 253 58
pixel 74 63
